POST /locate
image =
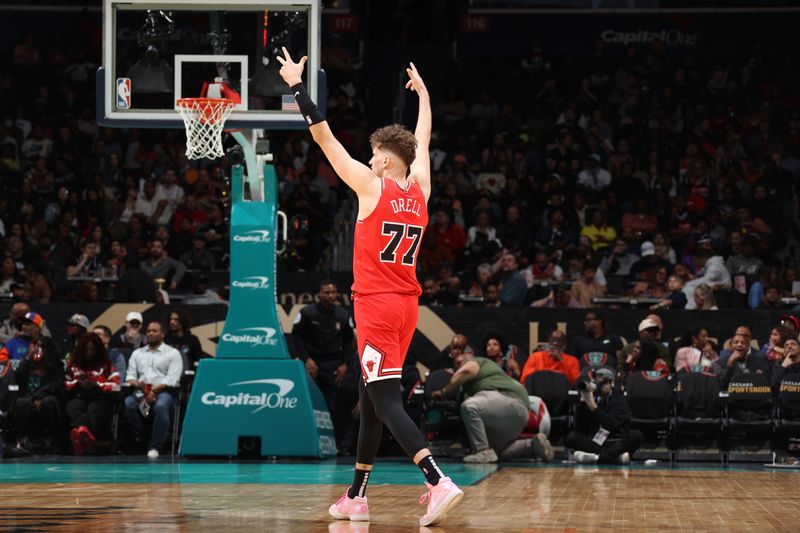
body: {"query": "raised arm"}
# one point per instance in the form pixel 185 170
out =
pixel 357 176
pixel 421 167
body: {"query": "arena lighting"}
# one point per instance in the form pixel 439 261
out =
pixel 151 74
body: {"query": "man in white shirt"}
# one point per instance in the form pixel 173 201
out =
pixel 151 204
pixel 170 190
pixel 710 270
pixel 152 371
pixel 594 176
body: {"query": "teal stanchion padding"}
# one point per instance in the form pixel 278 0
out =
pixel 252 329
pixel 271 399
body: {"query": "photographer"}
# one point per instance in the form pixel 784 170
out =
pixel 40 376
pixel 602 423
pixel 494 412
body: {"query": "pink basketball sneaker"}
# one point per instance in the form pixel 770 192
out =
pixel 441 498
pixel 354 509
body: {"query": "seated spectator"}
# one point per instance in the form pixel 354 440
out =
pixel 179 336
pixel 152 371
pixel 12 326
pixel 644 356
pixel 491 295
pixel 133 336
pixel 451 235
pixel 9 275
pixel 89 263
pixel 542 269
pixel 77 326
pixel 596 348
pixel 115 356
pixel 742 360
pixel 771 299
pixel 495 412
pixel 789 365
pixel 704 298
pixel 198 258
pixel 619 261
pixel 599 232
pixel 553 359
pixel 40 377
pixel 676 299
pixel 17 349
pixel 745 263
pixel 697 353
pixel 602 424
pixel 201 294
pixel 650 330
pixel 643 269
pixel 656 284
pixel 772 350
pixel 594 177
pixel 767 276
pixel 503 354
pixel 90 377
pixel 135 285
pixel 513 286
pixel 160 266
pixel 711 271
pixel 587 288
pixel 560 296
pixel 482 237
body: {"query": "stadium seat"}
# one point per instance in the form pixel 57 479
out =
pixel 651 396
pixel 749 414
pixel 699 417
pixel 553 388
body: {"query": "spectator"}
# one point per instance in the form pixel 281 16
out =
pixel 650 330
pixel 745 332
pixel 503 354
pixel 133 336
pixel 619 261
pixel 676 298
pixel 152 205
pixel 602 424
pixel 201 293
pixel 324 341
pixel 648 264
pixel 767 276
pixel 543 268
pixel 153 371
pixel 198 258
pixel 491 295
pixel 599 232
pixel 697 353
pixel 586 289
pixel 10 275
pixel 789 366
pixel 742 360
pixel 553 359
pixel 12 326
pixel 644 356
pixel 40 377
pixel 512 283
pixel 745 263
pixel 711 271
pixel 135 285
pixel 594 177
pixel 115 356
pixel 772 298
pixel 30 335
pixel 596 348
pixel 516 232
pixel 560 296
pixel 190 212
pixel 179 335
pixel 704 298
pixel 773 350
pixel 161 267
pixel 447 232
pixel 90 377
pixel 77 326
pixel 495 411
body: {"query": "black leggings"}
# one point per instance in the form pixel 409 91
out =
pixel 380 403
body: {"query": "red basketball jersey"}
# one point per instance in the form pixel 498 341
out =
pixel 387 242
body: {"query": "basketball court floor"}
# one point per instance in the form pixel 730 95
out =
pixel 124 495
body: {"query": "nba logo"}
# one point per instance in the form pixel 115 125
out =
pixel 123 93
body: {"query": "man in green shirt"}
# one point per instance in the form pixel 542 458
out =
pixel 495 411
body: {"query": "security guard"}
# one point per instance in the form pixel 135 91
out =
pixel 324 340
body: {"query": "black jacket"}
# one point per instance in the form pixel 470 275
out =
pixel 323 334
pixel 51 383
pixel 613 413
pixel 751 363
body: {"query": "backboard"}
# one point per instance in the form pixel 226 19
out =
pixel 157 51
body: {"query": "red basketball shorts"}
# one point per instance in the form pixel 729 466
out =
pixel 385 323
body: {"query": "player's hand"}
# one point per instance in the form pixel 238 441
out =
pixel 415 83
pixel 291 72
pixel 312 368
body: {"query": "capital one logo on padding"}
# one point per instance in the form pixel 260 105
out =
pixel 258 235
pixel 263 400
pixel 252 282
pixel 252 336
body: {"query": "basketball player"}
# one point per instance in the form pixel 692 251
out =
pixel 392 195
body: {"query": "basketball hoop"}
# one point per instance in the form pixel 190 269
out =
pixel 204 119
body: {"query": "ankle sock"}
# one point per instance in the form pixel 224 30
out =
pixel 359 486
pixel 430 469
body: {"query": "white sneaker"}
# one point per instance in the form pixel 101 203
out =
pixel 585 458
pixel 541 447
pixel 152 454
pixel 484 456
pixel 624 459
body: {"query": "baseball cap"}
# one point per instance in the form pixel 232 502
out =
pixel 79 320
pixel 648 248
pixel 134 315
pixel 36 318
pixel 648 323
pixel 603 372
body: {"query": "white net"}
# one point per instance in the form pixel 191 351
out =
pixel 204 119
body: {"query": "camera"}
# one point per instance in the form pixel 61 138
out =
pixel 586 386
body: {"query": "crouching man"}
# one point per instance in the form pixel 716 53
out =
pixel 495 411
pixel 602 423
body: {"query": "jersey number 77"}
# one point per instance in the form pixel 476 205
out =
pixel 399 233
